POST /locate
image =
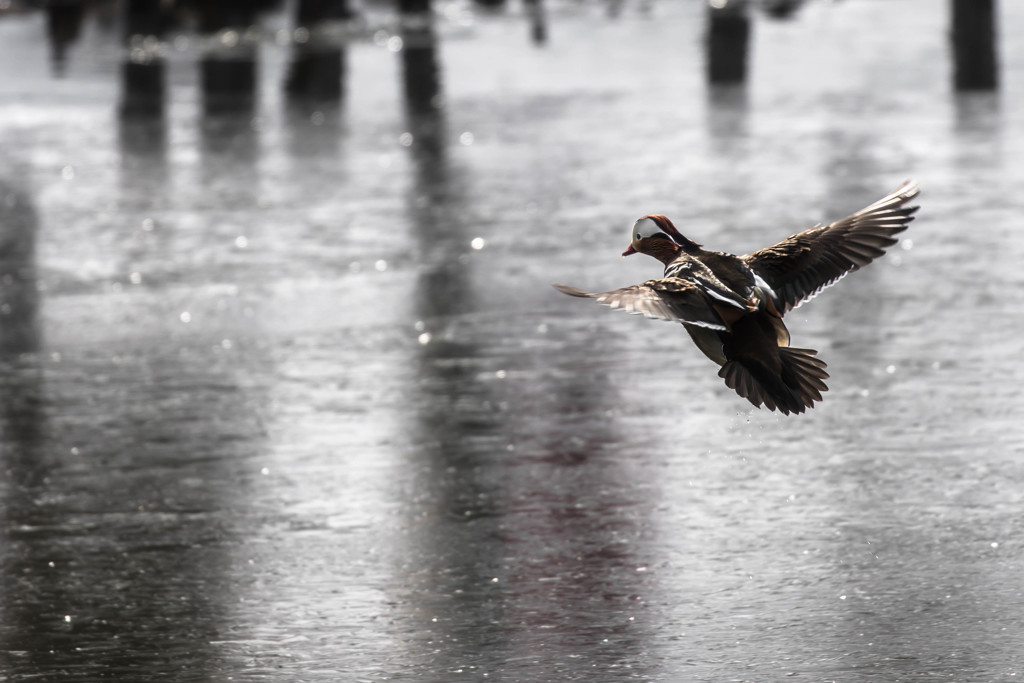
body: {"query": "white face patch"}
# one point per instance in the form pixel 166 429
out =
pixel 645 227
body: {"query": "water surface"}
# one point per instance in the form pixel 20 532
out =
pixel 287 395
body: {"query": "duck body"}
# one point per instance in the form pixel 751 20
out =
pixel 733 306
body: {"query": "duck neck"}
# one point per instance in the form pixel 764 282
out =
pixel 667 252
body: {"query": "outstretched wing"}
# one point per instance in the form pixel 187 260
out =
pixel 671 299
pixel 799 267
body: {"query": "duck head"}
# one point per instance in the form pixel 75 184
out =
pixel 655 236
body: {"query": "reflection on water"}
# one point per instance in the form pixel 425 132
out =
pixel 287 395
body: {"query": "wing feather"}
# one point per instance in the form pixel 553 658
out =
pixel 672 299
pixel 800 266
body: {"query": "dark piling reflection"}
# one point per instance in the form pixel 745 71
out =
pixel 974 44
pixel 24 458
pixel 455 550
pixel 978 131
pixel 727 41
pixel 526 544
pixel 19 296
pixel 577 525
pixel 728 120
pixel 856 305
pixel 99 567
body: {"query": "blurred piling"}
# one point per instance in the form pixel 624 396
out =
pixel 63 24
pixel 317 73
pixel 727 41
pixel 420 76
pixel 228 69
pixel 143 70
pixel 538 22
pixel 974 44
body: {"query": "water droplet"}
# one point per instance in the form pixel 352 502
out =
pixel 241 242
pixel 185 317
pixel 907 244
pixel 420 326
pixel 52 563
pixel 424 338
pixel 229 38
pixel 264 471
pixel 842 597
pixel 226 344
pixel 135 278
pixel 494 580
pixel 890 369
pixel 501 374
pixel 301 35
pixel 67 618
pixel 405 139
pixel 542 328
pixel 467 138
pixel 395 43
pixel 148 224
pixel 67 173
pixel 477 243
pixel 380 38
pixel 381 265
pixel 994 544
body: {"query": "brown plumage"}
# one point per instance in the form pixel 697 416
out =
pixel 732 306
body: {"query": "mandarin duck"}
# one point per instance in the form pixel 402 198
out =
pixel 732 306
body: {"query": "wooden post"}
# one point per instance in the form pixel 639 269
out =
pixel 728 37
pixel 538 23
pixel 421 79
pixel 974 45
pixel 228 69
pixel 317 71
pixel 142 73
pixel 63 25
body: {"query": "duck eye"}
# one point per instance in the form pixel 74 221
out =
pixel 638 236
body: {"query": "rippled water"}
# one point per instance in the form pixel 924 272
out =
pixel 288 395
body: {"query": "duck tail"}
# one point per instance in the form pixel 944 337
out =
pixel 794 388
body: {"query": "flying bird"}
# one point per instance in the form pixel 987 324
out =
pixel 732 306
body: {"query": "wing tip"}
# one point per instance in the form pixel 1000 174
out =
pixel 572 291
